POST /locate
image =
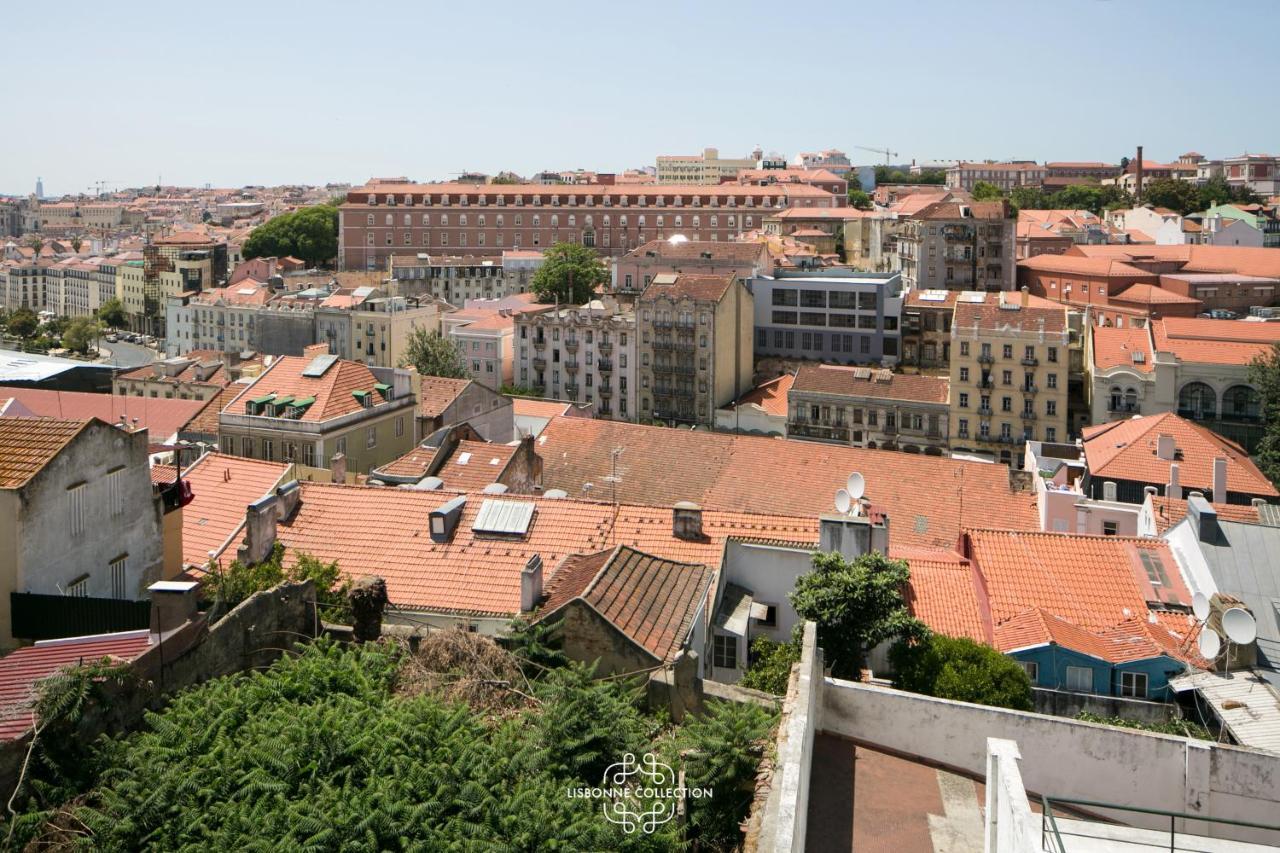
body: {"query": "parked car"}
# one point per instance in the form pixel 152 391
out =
pixel 111 337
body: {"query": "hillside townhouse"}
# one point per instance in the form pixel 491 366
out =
pixel 585 353
pixel 958 245
pixel 870 408
pixel 375 330
pixel 382 219
pixel 1009 364
pixel 828 315
pixel 1262 219
pixel 484 332
pixel 695 348
pixel 199 375
pixel 1258 173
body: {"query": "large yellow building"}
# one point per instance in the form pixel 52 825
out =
pixel 1009 363
pixel 705 168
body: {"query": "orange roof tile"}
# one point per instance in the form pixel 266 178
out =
pixel 703 288
pixel 867 382
pixel 1126 450
pixel 990 316
pixel 1124 642
pixel 927 498
pixel 943 593
pixel 333 390
pixel 205 421
pixel 1169 511
pixel 538 408
pixel 770 396
pixel 651 600
pixel 438 393
pixel 475 464
pixel 1149 294
pixel 1075 265
pixel 221 488
pixel 411 466
pixel 1204 341
pixel 29 444
pixel 161 417
pixel 1114 346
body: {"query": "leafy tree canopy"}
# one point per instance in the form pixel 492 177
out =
pixel 81 334
pixel 770 668
pixel 890 175
pixel 857 605
pixel 1180 196
pixel 1264 375
pixel 961 669
pixel 112 313
pixel 234 584
pixel 986 191
pixel 310 234
pixel 859 199
pixel 432 354
pixel 569 275
pixel 22 323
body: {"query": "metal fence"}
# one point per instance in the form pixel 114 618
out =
pixel 50 617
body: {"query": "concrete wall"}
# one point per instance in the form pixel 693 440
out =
pixel 1066 758
pixel 1064 703
pixel 284 332
pixel 485 409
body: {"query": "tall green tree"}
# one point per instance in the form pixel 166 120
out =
pixel 434 355
pixel 81 334
pixel 22 323
pixel 111 313
pixel 570 274
pixel 860 200
pixel 1264 375
pixel 310 234
pixel 986 191
pixel 857 605
pixel 1179 196
pixel 959 668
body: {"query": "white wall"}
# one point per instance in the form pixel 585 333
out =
pixel 770 572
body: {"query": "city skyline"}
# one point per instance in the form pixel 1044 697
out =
pixel 318 106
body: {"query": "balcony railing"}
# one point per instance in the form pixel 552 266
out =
pixel 605 347
pixel 986 358
pixel 571 366
pixel 659 367
pixel 1030 388
pixel 606 390
pixel 539 343
pixel 1028 416
pixel 539 363
pixel 604 365
pixel 808 429
pixel 1030 361
pixel 985 411
pixel 571 345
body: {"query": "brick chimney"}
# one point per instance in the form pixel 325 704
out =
pixel 338 468
pixel 173 603
pixel 686 521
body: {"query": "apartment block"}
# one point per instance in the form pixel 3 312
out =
pixel 583 354
pixel 868 407
pixel 1006 176
pixel 635 270
pixel 376 331
pixel 695 346
pixel 307 410
pixel 705 168
pixel 457 279
pixel 382 219
pixel 958 245
pixel 829 314
pixel 1009 364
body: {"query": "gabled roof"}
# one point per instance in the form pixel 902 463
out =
pixel 411 467
pixel 29 444
pixel 868 382
pixel 681 250
pixel 1114 346
pixel 161 417
pixel 1149 294
pixel 221 488
pixel 945 594
pixel 438 393
pixel 702 288
pixel 1205 341
pixel 651 600
pixel 1075 265
pixel 1166 512
pixel 475 464
pixel 771 396
pixel 1126 450
pixel 332 390
pixel 928 498
pixel 22 669
pixel 990 316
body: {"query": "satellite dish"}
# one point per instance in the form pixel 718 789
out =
pixel 1240 626
pixel 1200 606
pixel 843 501
pixel 1210 644
pixel 857 485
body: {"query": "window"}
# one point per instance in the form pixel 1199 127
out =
pixel 1133 684
pixel 75 509
pixel 724 652
pixel 371 437
pixel 964 400
pixel 1031 668
pixel 399 426
pixel 1080 679
pixel 1007 351
pixel 964 374
pixel 1052 380
pixel 115 491
pixel 341 446
pixel 1110 528
pixel 770 619
pixel 119 569
pixel 964 347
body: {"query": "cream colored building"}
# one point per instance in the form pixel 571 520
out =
pixel 695 346
pixel 376 331
pixel 705 168
pixel 585 353
pixel 1009 363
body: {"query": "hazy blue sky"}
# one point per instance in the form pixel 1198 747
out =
pixel 233 93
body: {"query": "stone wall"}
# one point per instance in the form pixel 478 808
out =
pixel 588 638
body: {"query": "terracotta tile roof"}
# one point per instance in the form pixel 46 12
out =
pixel 1167 512
pixel 1075 265
pixel 23 668
pixel 703 288
pixel 990 316
pixel 151 372
pixel 1205 341
pixel 1126 450
pixel 569 579
pixel 953 210
pixel 438 393
pixel 868 382
pixel 221 488
pixel 475 464
pixel 333 391
pixel 1127 641
pixel 538 408
pixel 161 417
pixel 770 396
pixel 826 213
pixel 1114 347
pixel 927 498
pixel 384 532
pixel 29 444
pixel 1094 582
pixel 1148 294
pixel 205 421
pixel 1195 257
pixel 649 599
pixel 944 593
pixel 163 474
pixel 412 466
pixel 595 190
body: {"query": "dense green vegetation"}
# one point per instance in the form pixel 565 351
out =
pixel 310 234
pixel 350 748
pixel 432 354
pixel 959 668
pixel 569 275
pixel 1264 374
pixel 770 668
pixel 890 175
pixel 1181 728
pixel 232 585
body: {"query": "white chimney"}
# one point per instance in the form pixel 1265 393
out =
pixel 1166 447
pixel 1220 479
pixel 531 584
pixel 1109 491
pixel 1174 489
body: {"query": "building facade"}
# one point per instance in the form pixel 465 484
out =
pixel 1009 364
pixel 459 279
pixel 705 168
pixel 870 408
pixel 957 245
pixel 829 315
pixel 634 271
pixel 695 346
pixel 383 219
pixel 583 354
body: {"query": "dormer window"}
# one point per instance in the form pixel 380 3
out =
pixel 383 389
pixel 364 398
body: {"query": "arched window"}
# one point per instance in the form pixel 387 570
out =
pixel 1197 402
pixel 1117 398
pixel 1241 403
pixel 1130 400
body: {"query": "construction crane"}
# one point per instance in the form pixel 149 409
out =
pixel 885 151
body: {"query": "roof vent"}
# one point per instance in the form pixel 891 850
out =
pixel 430 483
pixel 445 518
pixel 555 494
pixel 495 489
